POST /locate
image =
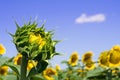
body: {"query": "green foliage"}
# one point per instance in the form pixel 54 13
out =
pixel 9 77
pixel 41 66
pixel 15 68
pixel 3 60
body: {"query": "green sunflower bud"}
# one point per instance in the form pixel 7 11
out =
pixel 34 42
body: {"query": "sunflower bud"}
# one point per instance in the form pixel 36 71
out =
pixel 34 42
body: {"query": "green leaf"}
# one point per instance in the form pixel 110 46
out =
pixel 66 62
pixel 41 66
pixel 3 60
pixel 37 77
pixel 96 72
pixel 9 77
pixel 14 67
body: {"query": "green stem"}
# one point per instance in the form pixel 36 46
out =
pixel 109 74
pixel 24 68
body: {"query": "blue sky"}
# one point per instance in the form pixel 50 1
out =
pixel 82 25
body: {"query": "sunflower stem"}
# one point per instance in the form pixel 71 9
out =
pixel 24 68
pixel 109 74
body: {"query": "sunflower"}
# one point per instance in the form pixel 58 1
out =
pixel 3 70
pixel 90 65
pixel 48 73
pixel 114 58
pixel 103 59
pixel 57 67
pixel 116 48
pixel 31 64
pixel 2 49
pixel 73 59
pixel 17 59
pixel 79 70
pixel 67 79
pixel 87 57
pixel 38 39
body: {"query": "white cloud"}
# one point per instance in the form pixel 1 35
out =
pixel 94 18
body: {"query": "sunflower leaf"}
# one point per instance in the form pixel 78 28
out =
pixel 14 67
pixel 41 66
pixel 3 60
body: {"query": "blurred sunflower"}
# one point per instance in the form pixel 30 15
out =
pixel 90 65
pixel 3 70
pixel 2 49
pixel 67 79
pixel 116 48
pixel 87 57
pixel 57 67
pixel 48 73
pixel 17 59
pixel 103 59
pixel 73 59
pixel 38 39
pixel 31 64
pixel 114 58
pixel 81 72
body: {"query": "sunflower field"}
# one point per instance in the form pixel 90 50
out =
pixel 36 47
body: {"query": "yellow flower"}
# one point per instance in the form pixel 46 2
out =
pixel 42 43
pixel 48 73
pixel 86 57
pixel 79 70
pixel 57 67
pixel 3 70
pixel 114 58
pixel 2 49
pixel 73 59
pixel 89 65
pixel 17 59
pixel 103 59
pixel 116 48
pixel 115 72
pixel 38 39
pixel 31 64
pixel 66 78
pixel 110 58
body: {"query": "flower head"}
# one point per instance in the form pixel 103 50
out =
pixel 34 42
pixel 103 59
pixel 2 49
pixel 87 57
pixel 48 73
pixel 37 39
pixel 73 59
pixel 116 48
pixel 57 67
pixel 89 65
pixel 3 70
pixel 17 59
pixel 114 58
